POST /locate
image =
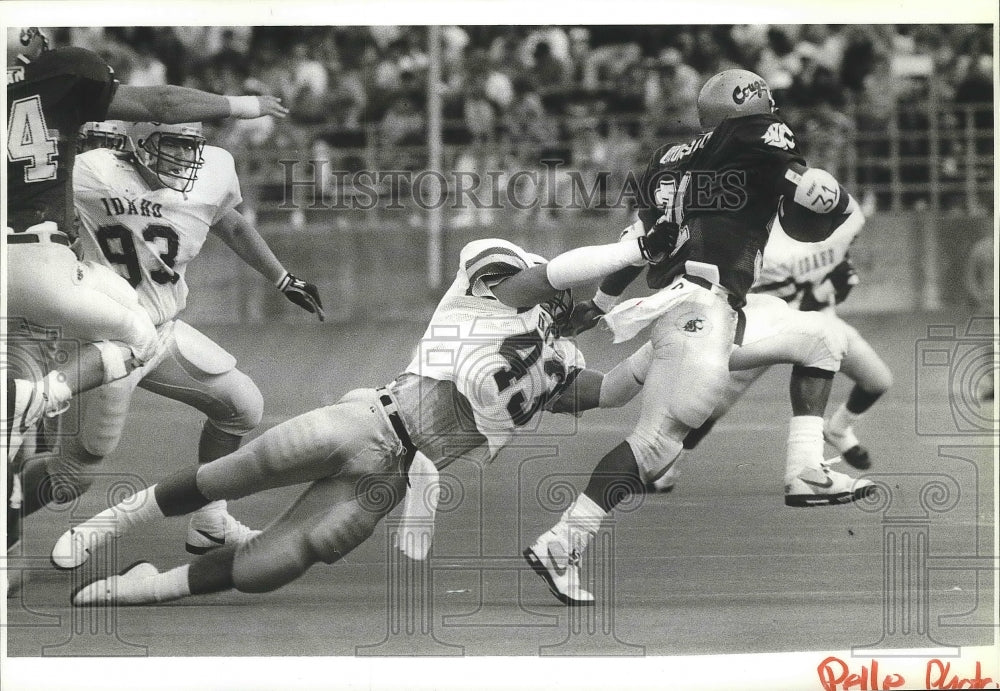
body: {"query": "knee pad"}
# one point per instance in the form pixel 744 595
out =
pixel 245 403
pixel 828 340
pixel 238 405
pixel 71 471
pixel 654 452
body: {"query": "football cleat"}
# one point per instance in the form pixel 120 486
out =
pixel 820 486
pixel 851 450
pixel 560 570
pixel 126 588
pixel 74 547
pixel 212 529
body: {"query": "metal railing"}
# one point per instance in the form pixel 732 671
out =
pixel 927 158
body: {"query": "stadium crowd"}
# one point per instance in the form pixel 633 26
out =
pixel 514 95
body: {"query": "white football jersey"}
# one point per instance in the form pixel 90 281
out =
pixel 506 362
pixel 149 235
pixel 790 266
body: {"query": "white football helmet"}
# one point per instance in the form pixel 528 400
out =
pixel 172 152
pixel 110 134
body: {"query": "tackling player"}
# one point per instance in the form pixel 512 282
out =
pixel 50 94
pixel 146 214
pixel 722 189
pixel 490 361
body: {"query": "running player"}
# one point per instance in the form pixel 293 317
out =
pixel 146 213
pixel 489 363
pixel 722 189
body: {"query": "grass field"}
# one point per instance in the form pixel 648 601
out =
pixel 719 566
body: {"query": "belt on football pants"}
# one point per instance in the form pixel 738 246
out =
pixel 29 238
pixel 706 284
pixel 392 411
pixel 46 231
pixel 741 317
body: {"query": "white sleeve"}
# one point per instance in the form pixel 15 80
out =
pixel 220 171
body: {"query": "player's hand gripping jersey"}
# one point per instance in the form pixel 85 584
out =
pixel 731 175
pixel 48 99
pixel 148 235
pixel 508 364
pixel 810 275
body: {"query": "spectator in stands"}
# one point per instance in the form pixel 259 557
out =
pixel 550 73
pixel 671 95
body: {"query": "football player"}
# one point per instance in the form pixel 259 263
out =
pixel 490 361
pixel 50 94
pixel 146 213
pixel 815 277
pixel 722 189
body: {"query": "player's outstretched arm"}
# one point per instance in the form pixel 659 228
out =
pixel 174 104
pixel 243 239
pixel 582 265
pixel 594 389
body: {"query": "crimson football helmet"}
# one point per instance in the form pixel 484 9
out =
pixel 172 152
pixel 732 94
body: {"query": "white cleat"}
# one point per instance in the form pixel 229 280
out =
pixel 124 589
pixel 560 570
pixel 210 530
pixel 74 547
pixel 820 486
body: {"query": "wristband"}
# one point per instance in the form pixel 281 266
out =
pixel 283 282
pixel 605 302
pixel 244 107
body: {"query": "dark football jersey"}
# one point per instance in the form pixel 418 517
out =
pixel 48 100
pixel 722 187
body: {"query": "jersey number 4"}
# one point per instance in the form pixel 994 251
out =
pixel 119 248
pixel 29 140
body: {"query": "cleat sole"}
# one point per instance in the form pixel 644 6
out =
pixel 536 564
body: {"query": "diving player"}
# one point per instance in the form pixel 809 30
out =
pixel 490 361
pixel 146 213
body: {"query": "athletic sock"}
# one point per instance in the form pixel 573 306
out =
pixel 171 585
pixel 579 523
pixel 138 509
pixel 805 444
pixel 859 400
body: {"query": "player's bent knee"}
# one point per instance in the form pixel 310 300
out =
pixel 245 405
pixel 828 338
pixel 654 453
